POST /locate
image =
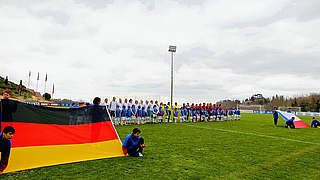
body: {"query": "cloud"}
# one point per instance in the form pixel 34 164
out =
pixel 225 49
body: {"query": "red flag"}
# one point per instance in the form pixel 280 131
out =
pixel 20 86
pixel 53 89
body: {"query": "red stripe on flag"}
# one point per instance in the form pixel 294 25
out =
pixel 300 124
pixel 33 134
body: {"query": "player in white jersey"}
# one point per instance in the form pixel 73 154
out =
pixel 151 104
pixel 125 104
pixel 113 106
pixel 157 105
pixel 105 103
pixel 130 103
pixel 120 104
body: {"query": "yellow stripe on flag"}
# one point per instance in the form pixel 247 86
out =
pixel 22 158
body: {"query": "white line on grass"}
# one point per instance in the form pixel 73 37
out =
pixel 254 134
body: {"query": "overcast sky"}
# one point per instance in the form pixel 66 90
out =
pixel 225 48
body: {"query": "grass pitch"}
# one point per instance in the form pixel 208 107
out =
pixel 251 148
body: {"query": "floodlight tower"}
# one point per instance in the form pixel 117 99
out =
pixel 172 49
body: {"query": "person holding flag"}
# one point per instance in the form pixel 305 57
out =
pixel 5 146
pixel 315 123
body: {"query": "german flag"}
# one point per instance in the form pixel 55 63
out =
pixel 50 136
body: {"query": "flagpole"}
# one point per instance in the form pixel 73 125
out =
pixel 52 91
pixel 29 80
pixel 45 83
pixel 37 82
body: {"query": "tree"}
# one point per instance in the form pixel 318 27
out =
pixel 47 96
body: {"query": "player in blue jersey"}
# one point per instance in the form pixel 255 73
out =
pixel 230 114
pixel 225 114
pixel 237 114
pixel 194 118
pixel 143 115
pixel 148 114
pixel 211 114
pixel 133 144
pixel 315 123
pixel 5 146
pixel 275 116
pixel 160 115
pixel 181 115
pixel 202 115
pixel 123 115
pixel 206 116
pixel 167 114
pixel 155 114
pixel 134 112
pixel 219 115
pixel 290 123
pixel 222 114
pixel 118 116
pixel 191 114
pixel 139 114
pixel 186 113
pixel 214 114
pixel 198 115
pixel 129 115
pixel 175 115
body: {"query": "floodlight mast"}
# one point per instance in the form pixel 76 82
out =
pixel 172 49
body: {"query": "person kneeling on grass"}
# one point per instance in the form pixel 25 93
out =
pixel 133 144
pixel 290 123
pixel 315 123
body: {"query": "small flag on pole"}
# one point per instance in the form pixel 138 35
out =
pixel 20 87
pixel 38 78
pixel 52 90
pixel 29 73
pixel 46 77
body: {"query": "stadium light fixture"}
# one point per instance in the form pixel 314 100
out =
pixel 172 49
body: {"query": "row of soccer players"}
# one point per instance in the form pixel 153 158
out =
pixel 131 115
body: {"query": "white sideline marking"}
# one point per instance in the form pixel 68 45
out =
pixel 254 134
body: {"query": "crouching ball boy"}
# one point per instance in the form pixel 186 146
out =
pixel 133 144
